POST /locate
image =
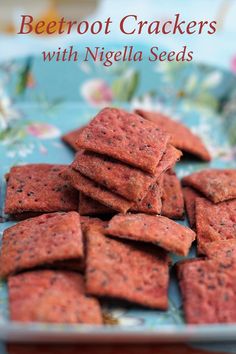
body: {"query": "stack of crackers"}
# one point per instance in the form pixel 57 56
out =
pixel 208 284
pixel 120 166
pixel 61 261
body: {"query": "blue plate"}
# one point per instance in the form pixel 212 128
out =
pixel 44 105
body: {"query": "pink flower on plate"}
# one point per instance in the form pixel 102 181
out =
pixel 43 130
pixel 233 64
pixel 97 92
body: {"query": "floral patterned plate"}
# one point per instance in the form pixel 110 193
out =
pixel 37 105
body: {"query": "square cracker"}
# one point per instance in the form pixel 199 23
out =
pixel 120 178
pixel 151 204
pixel 41 240
pixel 215 222
pixel 126 271
pixel 71 137
pixel 157 229
pixel 126 137
pixel 181 135
pixel 51 296
pixel 215 184
pixel 39 188
pixel 95 191
pixel 172 197
pixel 190 196
pixel 208 289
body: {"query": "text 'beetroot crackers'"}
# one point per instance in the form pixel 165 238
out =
pixel 126 137
pixel 51 296
pixel 121 270
pixel 172 197
pixel 39 188
pixel 190 196
pixel 215 222
pixel 159 230
pixel 217 185
pixel 181 136
pixel 95 191
pixel 41 240
pixel 209 291
pixel 71 138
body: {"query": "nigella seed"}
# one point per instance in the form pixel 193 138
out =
pixel 139 288
pixel 104 283
pixel 226 297
pixel 91 270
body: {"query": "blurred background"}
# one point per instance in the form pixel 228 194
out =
pixel 202 89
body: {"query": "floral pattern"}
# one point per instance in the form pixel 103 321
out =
pixel 162 87
pixel 97 93
pixel 233 64
pixel 43 130
pixel 34 115
pixel 7 112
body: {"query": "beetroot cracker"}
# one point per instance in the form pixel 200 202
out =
pixel 126 137
pixel 181 136
pixel 151 203
pixel 89 206
pixel 121 270
pixel 190 196
pixel 217 185
pixel 95 191
pixel 41 240
pixel 172 197
pixel 51 296
pixel 159 230
pixel 215 222
pixel 39 188
pixel 125 180
pixel 209 291
pixel 71 138
pixel 221 250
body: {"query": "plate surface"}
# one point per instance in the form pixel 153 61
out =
pixel 48 106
